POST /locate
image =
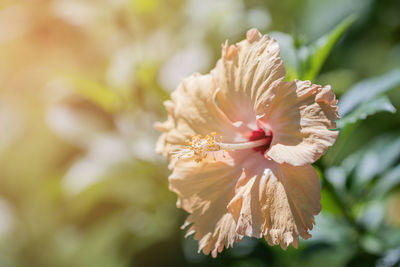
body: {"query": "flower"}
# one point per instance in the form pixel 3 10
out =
pixel 241 142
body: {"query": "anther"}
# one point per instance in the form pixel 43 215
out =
pixel 200 146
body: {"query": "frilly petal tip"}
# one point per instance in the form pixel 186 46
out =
pixel 253 35
pixel 183 226
pixel 229 52
pixel 158 126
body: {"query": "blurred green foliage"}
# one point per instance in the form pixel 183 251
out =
pixel 84 81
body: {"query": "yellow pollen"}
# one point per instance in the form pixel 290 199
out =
pixel 199 146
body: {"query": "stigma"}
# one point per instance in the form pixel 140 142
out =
pixel 199 147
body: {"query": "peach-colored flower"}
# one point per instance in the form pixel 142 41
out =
pixel 241 142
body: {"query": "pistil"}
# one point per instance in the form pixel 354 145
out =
pixel 200 146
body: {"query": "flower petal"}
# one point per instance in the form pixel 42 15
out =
pixel 301 116
pixel 204 190
pixel 245 72
pixel 277 201
pixel 275 195
pixel 246 195
pixel 193 111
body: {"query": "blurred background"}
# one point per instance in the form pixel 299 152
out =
pixel 82 82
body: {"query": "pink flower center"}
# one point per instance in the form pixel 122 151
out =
pixel 199 146
pixel 258 135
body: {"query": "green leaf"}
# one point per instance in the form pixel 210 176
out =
pixel 368 89
pixel 288 54
pixel 375 105
pixel 147 7
pixel 390 259
pixel 386 183
pixel 98 93
pixel 337 177
pixel 359 168
pixel 371 161
pixel 315 55
pixel 380 155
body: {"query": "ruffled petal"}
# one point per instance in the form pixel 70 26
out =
pixel 246 71
pixel 301 117
pixel 193 111
pixel 204 190
pixel 277 201
pixel 246 195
